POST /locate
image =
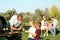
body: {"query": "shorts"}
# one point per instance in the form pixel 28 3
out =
pixel 43 27
pixel 30 39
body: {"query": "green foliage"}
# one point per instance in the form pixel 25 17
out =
pixel 8 14
pixel 37 15
pixel 55 12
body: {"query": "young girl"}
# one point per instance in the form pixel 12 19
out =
pixel 32 30
pixel 37 32
pixel 44 26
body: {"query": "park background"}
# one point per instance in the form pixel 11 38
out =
pixel 31 9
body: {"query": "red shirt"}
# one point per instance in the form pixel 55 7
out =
pixel 38 31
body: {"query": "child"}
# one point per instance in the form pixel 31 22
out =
pixel 32 30
pixel 50 25
pixel 44 25
pixel 37 32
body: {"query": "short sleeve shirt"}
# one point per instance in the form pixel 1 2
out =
pixel 55 22
pixel 43 23
pixel 31 30
pixel 14 21
pixel 38 31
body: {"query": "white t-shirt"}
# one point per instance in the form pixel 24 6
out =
pixel 14 21
pixel 55 23
pixel 31 30
pixel 43 23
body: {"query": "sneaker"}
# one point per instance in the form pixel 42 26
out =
pixel 46 34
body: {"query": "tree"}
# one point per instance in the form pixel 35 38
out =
pixel 54 11
pixel 46 13
pixel 9 13
pixel 38 12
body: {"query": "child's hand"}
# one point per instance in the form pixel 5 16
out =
pixel 23 29
pixel 34 35
pixel 26 31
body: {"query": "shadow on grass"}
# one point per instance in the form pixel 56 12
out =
pixel 47 39
pixel 58 31
pixel 41 38
pixel 27 27
pixel 3 38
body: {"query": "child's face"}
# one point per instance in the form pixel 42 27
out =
pixel 31 23
pixel 44 19
pixel 52 19
pixel 37 25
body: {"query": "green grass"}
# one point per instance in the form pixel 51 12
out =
pixel 50 37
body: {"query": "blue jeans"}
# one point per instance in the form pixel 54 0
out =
pixel 30 39
pixel 8 25
pixel 53 30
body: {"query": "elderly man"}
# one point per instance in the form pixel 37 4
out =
pixel 15 24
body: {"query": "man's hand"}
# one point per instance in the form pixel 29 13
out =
pixel 21 25
pixel 13 28
pixel 19 29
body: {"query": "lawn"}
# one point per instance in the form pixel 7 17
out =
pixel 50 37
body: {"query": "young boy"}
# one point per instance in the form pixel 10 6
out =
pixel 54 27
pixel 32 30
pixel 37 32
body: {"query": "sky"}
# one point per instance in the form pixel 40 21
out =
pixel 27 5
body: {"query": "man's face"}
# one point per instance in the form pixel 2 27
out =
pixel 20 18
